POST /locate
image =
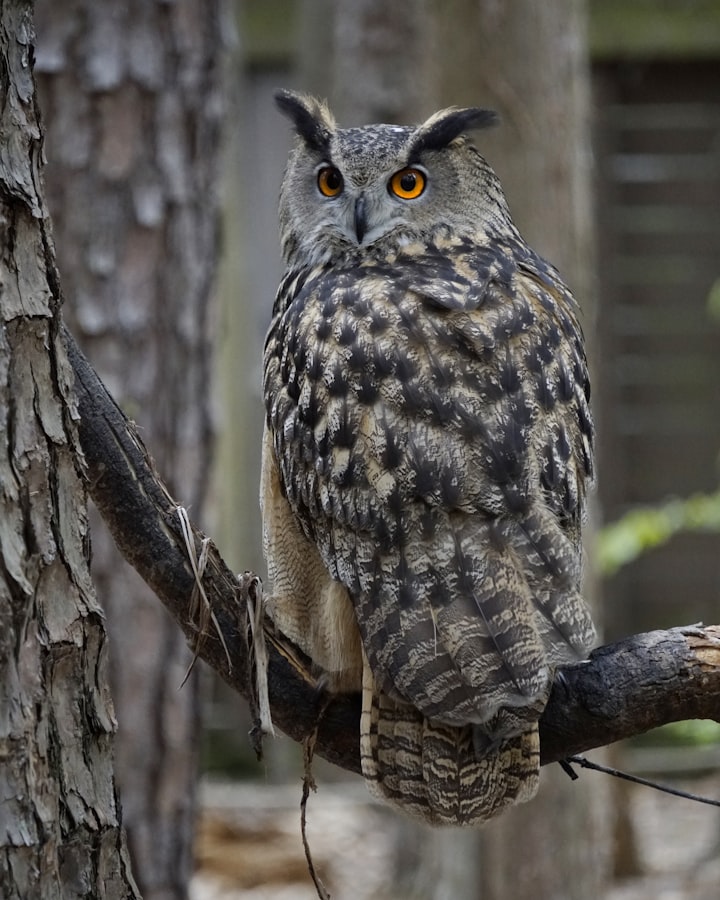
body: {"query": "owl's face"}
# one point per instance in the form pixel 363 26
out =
pixel 354 191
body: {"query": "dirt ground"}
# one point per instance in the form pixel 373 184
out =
pixel 249 845
pixel 677 843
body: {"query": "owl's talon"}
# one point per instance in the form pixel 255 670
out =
pixel 561 683
pixel 322 685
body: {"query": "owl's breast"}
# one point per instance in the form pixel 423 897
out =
pixel 378 395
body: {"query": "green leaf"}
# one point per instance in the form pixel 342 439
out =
pixel 647 527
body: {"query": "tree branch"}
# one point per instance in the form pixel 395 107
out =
pixel 624 689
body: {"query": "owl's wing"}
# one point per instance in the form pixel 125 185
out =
pixel 431 771
pixel 437 456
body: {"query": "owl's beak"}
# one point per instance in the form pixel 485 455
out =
pixel 360 217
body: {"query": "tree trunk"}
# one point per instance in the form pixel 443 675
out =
pixel 60 829
pixel 529 61
pixel 131 95
pixel 382 61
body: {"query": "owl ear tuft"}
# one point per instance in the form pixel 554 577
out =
pixel 311 117
pixel 444 126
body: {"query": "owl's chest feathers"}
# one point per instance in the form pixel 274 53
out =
pixel 450 382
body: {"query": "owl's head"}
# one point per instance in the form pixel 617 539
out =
pixel 349 191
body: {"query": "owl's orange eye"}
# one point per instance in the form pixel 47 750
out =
pixel 330 181
pixel 407 184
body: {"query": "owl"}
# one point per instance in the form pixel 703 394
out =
pixel 426 455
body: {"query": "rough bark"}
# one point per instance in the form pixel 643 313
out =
pixel 60 829
pixel 130 93
pixel 624 689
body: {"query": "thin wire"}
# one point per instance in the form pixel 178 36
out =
pixel 586 764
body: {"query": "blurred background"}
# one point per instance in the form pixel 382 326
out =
pixel 165 155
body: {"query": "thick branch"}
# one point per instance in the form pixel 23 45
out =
pixel 624 689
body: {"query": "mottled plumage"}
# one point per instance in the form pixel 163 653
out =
pixel 426 456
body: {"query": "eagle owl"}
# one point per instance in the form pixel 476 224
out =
pixel 426 455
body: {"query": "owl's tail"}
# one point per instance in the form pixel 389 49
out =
pixel 432 772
